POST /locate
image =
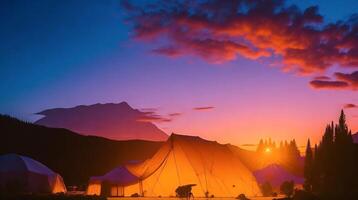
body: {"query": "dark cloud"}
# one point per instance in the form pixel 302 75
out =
pixel 175 114
pixel 343 81
pixel 219 31
pixel 204 108
pixel 351 79
pixel 319 84
pixel 350 105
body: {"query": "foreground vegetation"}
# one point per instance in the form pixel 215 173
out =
pixel 51 197
pixel 331 169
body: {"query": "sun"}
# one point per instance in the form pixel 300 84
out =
pixel 267 150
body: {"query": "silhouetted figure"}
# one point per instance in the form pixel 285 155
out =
pixel 184 191
pixel 242 197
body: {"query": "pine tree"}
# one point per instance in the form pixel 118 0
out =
pixel 344 156
pixel 308 168
pixel 261 146
pixel 334 163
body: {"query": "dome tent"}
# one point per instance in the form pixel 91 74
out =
pixel 28 176
pixel 276 175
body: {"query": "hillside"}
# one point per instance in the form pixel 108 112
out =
pixel 72 155
pixel 114 121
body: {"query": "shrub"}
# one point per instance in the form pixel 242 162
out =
pixel 266 189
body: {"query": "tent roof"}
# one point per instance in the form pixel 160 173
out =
pixel 119 175
pixel 17 163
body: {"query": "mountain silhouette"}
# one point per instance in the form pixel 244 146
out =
pixel 114 121
pixel 74 156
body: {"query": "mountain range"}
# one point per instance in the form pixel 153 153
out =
pixel 114 121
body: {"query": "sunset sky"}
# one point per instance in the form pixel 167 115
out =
pixel 230 72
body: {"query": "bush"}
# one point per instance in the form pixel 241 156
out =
pixel 52 197
pixel 242 197
pixel 135 195
pixel 266 189
pixel 287 188
pixel 303 195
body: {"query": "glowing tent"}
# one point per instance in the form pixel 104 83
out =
pixel 28 175
pixel 276 175
pixel 112 183
pixel 183 160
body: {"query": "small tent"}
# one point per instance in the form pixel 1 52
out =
pixel 186 160
pixel 24 175
pixel 112 183
pixel 276 175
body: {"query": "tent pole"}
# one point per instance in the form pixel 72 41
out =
pixel 141 188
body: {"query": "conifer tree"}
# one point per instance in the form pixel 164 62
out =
pixel 308 168
pixel 261 146
pixel 334 164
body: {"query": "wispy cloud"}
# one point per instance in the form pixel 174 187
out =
pixel 320 84
pixel 152 115
pixel 148 109
pixel 203 108
pixel 343 81
pixel 350 105
pixel 322 78
pixel 175 114
pixel 249 145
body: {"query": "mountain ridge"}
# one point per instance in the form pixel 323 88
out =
pixel 118 121
pixel 76 157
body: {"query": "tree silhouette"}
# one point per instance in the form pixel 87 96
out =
pixel 308 168
pixel 266 189
pixel 287 188
pixel 331 171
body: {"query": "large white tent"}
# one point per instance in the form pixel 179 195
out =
pixel 28 175
pixel 183 160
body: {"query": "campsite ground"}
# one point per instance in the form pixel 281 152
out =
pixel 153 198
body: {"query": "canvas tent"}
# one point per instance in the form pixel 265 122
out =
pixel 112 183
pixel 184 160
pixel 28 176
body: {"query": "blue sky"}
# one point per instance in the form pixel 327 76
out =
pixel 66 53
